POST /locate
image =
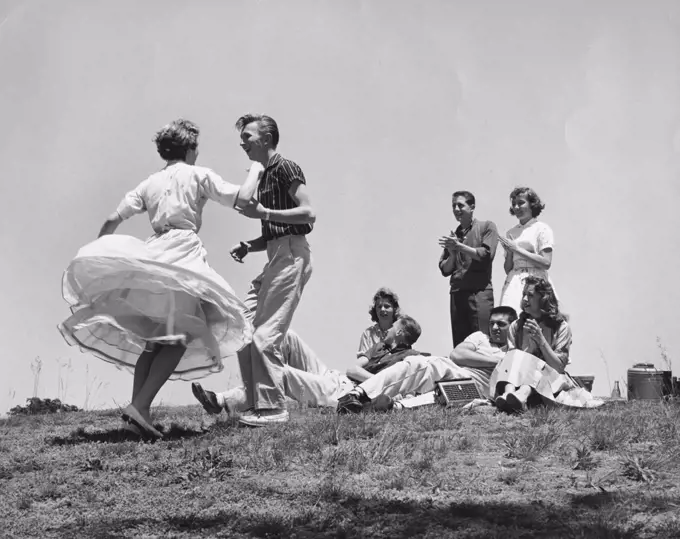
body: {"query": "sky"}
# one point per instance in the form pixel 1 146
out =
pixel 388 106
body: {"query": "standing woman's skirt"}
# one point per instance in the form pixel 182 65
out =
pixel 513 288
pixel 128 296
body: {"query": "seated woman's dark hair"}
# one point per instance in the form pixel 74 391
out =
pixel 174 140
pixel 535 202
pixel 384 293
pixel 550 309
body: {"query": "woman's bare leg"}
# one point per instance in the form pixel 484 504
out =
pixel 160 369
pixel 523 393
pixel 142 370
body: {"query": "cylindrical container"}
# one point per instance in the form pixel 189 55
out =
pixel 645 382
pixel 586 381
pixel 667 383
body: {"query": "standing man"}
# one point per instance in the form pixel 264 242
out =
pixel 287 217
pixel 467 258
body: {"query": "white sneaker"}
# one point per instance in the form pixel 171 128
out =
pixel 262 418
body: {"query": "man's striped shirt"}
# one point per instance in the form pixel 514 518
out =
pixel 273 194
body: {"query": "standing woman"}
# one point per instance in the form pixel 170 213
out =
pixel 156 307
pixel 384 311
pixel 528 246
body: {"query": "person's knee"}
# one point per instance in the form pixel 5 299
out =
pixel 266 342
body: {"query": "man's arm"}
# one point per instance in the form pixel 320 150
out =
pixel 489 242
pixel 446 261
pixel 303 214
pixel 357 372
pixel 465 355
pixel 256 245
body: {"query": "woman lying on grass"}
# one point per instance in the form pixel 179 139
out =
pixel 534 368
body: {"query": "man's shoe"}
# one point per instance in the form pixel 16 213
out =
pixel 262 418
pixel 381 404
pixel 350 404
pixel 208 399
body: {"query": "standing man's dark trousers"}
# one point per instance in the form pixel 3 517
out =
pixel 470 312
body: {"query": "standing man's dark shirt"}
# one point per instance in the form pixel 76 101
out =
pixel 471 288
pixel 273 193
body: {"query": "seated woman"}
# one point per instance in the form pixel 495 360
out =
pixel 539 342
pixel 384 311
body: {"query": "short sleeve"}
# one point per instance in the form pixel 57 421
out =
pixel 365 342
pixel 133 202
pixel 562 343
pixel 477 339
pixel 291 173
pixel 217 189
pixel 512 335
pixel 544 238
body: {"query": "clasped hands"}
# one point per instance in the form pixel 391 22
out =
pixel 534 332
pixel 450 243
pixel 508 244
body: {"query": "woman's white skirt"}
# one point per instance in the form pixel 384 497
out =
pixel 513 288
pixel 127 295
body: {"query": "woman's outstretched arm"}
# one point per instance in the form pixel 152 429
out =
pixel 110 225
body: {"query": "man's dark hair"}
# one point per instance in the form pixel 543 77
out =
pixel 507 311
pixel 265 124
pixel 467 195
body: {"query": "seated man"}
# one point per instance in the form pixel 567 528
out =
pixel 476 357
pixel 395 347
pixel 308 381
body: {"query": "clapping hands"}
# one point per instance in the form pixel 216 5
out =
pixel 450 243
pixel 508 244
pixel 534 331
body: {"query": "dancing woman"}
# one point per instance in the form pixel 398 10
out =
pixel 156 307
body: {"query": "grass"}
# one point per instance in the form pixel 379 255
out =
pixel 607 473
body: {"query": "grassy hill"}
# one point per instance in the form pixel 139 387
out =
pixel 605 473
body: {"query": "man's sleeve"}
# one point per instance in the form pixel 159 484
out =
pixel 445 255
pixel 489 242
pixel 476 340
pixel 291 173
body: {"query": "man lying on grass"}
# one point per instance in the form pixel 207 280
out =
pixel 476 357
pixel 308 381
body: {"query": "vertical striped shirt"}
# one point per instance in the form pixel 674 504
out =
pixel 273 194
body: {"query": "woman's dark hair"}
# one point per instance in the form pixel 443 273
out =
pixel 174 140
pixel 532 197
pixel 384 293
pixel 550 310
